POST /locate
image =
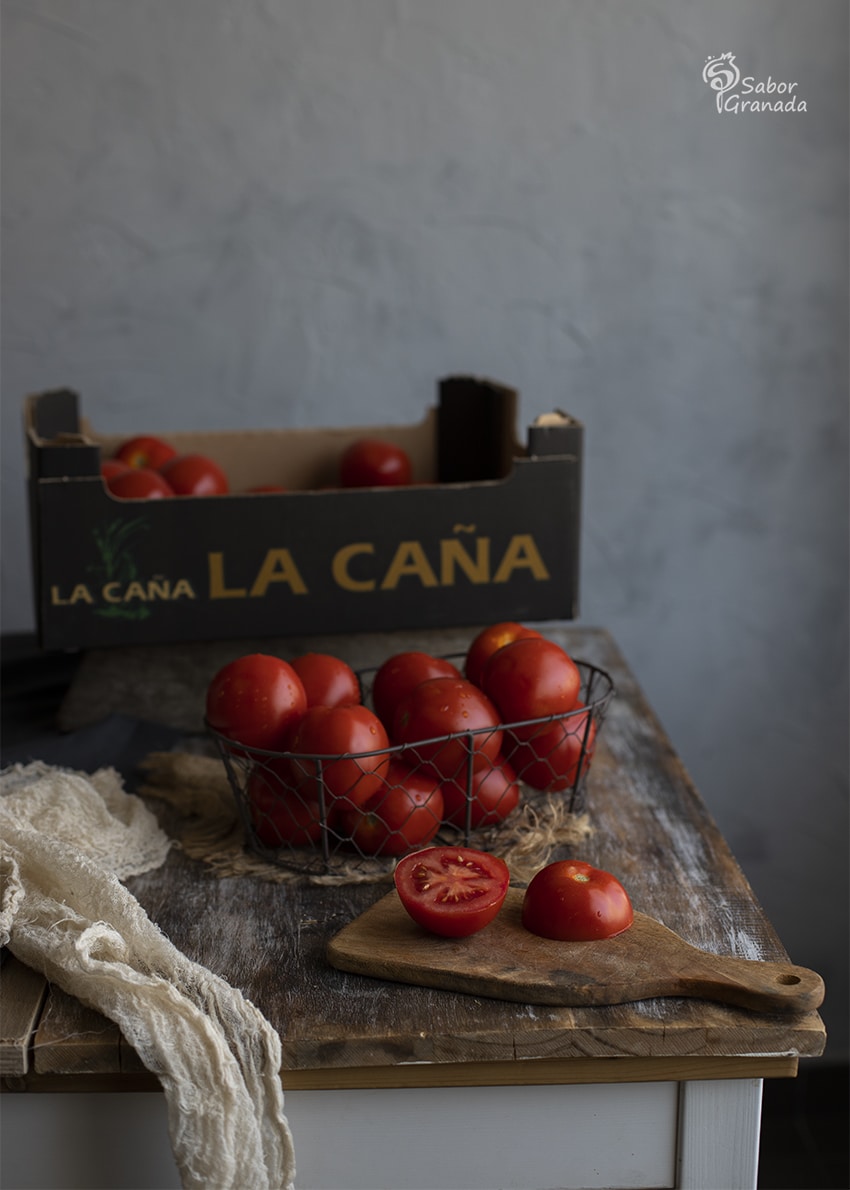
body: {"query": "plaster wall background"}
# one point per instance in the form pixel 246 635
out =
pixel 285 213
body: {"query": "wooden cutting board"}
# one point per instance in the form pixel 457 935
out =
pixel 506 962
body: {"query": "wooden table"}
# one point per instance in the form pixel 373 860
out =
pixel 389 1085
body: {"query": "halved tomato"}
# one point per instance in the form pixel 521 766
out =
pixel 452 891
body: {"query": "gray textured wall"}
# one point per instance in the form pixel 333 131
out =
pixel 300 212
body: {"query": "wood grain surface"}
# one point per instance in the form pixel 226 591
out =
pixel 650 827
pixel 507 962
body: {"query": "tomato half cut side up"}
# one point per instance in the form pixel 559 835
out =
pixel 452 891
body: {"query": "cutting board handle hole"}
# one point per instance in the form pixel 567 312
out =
pixel 788 980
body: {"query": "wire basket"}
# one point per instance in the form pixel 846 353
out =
pixel 320 814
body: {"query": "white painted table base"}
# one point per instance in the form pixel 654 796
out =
pixel 695 1136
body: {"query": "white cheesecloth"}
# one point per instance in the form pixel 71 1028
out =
pixel 67 840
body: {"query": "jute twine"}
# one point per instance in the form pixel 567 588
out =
pixel 206 824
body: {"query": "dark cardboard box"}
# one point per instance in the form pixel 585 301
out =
pixel 489 530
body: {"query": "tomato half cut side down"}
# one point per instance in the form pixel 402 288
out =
pixel 571 901
pixel 452 891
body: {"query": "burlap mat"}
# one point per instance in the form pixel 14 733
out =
pixel 206 824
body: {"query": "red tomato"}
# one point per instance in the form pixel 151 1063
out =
pixel 279 815
pixel 453 891
pixel 573 902
pixel 529 679
pixel 493 795
pixel 195 475
pixel 405 813
pixel 109 468
pixel 255 700
pixel 440 707
pixel 550 757
pixel 488 642
pixel 145 451
pixel 327 680
pixel 355 743
pixel 400 674
pixel 373 463
pixel 139 483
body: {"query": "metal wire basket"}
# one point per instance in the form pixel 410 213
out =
pixel 319 814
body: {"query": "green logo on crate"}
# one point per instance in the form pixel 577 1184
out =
pixel 114 588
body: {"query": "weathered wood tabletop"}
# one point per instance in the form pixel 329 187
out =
pixel 649 826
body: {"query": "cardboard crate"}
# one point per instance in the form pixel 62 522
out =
pixel 489 529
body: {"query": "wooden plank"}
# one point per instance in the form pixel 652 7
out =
pixel 22 993
pixel 73 1039
pixel 533 1072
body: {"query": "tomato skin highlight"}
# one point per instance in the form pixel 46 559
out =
pixel 109 468
pixel 327 680
pixel 531 678
pixel 255 700
pixel 571 901
pixel 488 642
pixel 139 483
pixel 549 757
pixel 195 475
pixel 452 891
pixel 493 795
pixel 442 707
pixel 278 814
pixel 145 450
pixel 405 813
pixel 356 744
pixel 400 674
pixel 374 463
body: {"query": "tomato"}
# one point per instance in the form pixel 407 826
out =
pixel 488 642
pixel 494 794
pixel 279 815
pixel 373 463
pixel 195 475
pixel 354 742
pixel 441 707
pixel 255 700
pixel 453 891
pixel 550 757
pixel 145 450
pixel 573 902
pixel 401 673
pixel 109 468
pixel 139 483
pixel 405 813
pixel 529 679
pixel 327 680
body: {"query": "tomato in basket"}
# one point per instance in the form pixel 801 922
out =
pixel 488 642
pixel 341 751
pixel 445 707
pixel 555 754
pixel 279 815
pixel 405 813
pixel 531 678
pixel 494 793
pixel 400 674
pixel 255 700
